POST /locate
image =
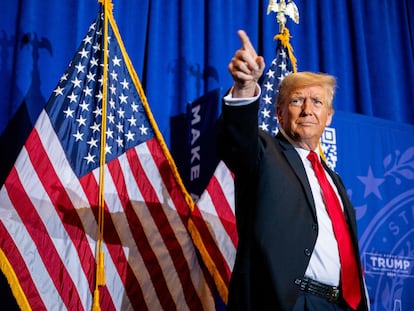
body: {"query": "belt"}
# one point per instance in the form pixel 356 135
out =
pixel 331 293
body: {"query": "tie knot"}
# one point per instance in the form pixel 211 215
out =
pixel 313 157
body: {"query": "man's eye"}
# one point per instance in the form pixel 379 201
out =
pixel 296 102
pixel 317 103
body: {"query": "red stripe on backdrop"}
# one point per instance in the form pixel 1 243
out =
pixel 223 209
pixel 46 249
pixel 156 209
pixel 113 243
pixel 65 209
pixel 20 269
pixel 140 238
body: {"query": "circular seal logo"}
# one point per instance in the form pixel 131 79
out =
pixel 387 251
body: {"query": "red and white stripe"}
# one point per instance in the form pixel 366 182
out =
pixel 48 231
pixel 214 218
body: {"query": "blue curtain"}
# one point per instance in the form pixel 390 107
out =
pixel 181 49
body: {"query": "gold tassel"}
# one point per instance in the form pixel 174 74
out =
pixel 107 3
pixel 321 152
pixel 100 274
pixel 96 305
pixel 284 37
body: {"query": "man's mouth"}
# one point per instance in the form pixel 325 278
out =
pixel 306 123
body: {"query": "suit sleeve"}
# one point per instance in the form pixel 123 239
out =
pixel 238 142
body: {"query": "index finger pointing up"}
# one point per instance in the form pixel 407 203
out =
pixel 246 44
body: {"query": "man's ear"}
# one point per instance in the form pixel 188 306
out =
pixel 278 114
pixel 330 116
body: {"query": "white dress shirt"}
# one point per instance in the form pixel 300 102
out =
pixel 324 265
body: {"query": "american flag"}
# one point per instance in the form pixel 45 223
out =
pixel 215 226
pixel 49 202
pixel 282 65
pixel 214 214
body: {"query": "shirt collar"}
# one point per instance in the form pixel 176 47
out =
pixel 302 152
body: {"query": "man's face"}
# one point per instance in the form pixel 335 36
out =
pixel 305 115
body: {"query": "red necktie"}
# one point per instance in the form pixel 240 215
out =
pixel 349 270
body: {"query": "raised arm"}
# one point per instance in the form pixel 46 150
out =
pixel 246 67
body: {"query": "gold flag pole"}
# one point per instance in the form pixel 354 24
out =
pixel 100 263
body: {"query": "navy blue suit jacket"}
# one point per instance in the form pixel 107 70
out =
pixel 275 213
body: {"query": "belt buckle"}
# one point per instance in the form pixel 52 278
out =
pixel 334 294
pixel 302 283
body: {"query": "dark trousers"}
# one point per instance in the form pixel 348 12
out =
pixel 310 302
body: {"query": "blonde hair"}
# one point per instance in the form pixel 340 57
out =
pixel 297 80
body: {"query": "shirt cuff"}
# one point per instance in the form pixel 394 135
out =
pixel 229 100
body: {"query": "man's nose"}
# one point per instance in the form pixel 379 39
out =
pixel 307 106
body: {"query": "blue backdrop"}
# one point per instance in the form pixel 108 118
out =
pixel 181 49
pixel 375 157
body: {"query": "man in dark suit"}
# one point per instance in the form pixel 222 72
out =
pixel 288 257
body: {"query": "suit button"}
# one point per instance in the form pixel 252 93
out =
pixel 307 252
pixel 315 227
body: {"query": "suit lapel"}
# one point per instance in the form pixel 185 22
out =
pixel 296 164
